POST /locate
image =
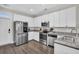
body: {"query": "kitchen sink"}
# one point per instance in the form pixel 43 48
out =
pixel 69 39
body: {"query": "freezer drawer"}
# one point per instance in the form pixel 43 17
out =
pixel 21 39
pixel 18 40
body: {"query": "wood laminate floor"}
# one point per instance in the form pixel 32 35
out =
pixel 32 47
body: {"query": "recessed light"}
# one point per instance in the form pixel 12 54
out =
pixel 31 9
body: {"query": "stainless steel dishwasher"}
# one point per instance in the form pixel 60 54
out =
pixel 50 39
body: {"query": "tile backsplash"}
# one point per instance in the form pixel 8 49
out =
pixel 64 30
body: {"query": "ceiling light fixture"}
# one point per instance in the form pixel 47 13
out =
pixel 31 9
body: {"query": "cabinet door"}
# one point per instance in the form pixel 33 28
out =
pixel 31 23
pixel 56 19
pixel 62 18
pixel 71 17
pixel 37 22
pixel 33 35
pixel 61 49
pixel 36 36
pixel 51 19
pixel 30 36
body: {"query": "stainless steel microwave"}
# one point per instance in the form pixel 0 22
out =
pixel 45 24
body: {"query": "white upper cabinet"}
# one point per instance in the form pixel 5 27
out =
pixel 66 18
pixel 62 19
pixel 53 19
pixel 45 18
pixel 71 17
pixel 37 22
pixel 56 19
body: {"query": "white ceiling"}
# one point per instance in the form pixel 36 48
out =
pixel 35 9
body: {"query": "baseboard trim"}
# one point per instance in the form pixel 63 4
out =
pixel 24 43
pixel 7 44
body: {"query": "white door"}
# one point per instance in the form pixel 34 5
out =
pixel 5 35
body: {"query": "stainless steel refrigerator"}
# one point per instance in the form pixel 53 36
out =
pixel 20 32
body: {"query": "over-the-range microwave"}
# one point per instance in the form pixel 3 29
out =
pixel 45 24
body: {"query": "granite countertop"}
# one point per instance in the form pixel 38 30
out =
pixel 63 33
pixel 74 45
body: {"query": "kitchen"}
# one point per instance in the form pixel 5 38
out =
pixel 54 26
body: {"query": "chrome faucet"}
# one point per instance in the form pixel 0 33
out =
pixel 72 30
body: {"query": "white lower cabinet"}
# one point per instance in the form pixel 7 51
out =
pixel 30 36
pixel 36 36
pixel 33 35
pixel 61 49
